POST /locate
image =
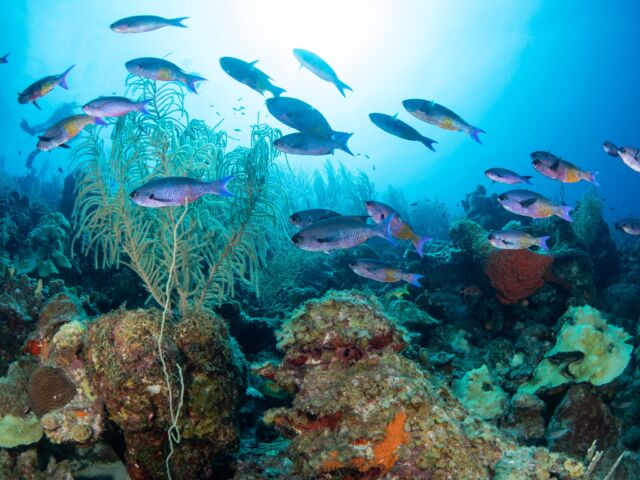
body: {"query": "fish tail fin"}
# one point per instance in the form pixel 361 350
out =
pixel 419 243
pixel 177 22
pixel 341 86
pixel 192 80
pixel 542 243
pixel 427 142
pixel 564 212
pixel 142 106
pixel 276 91
pixel 99 121
pixel 591 177
pixel 527 179
pixel 413 279
pixel 63 78
pixel 474 132
pixel 341 138
pixel 24 125
pixel 219 187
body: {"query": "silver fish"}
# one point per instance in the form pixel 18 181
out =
pixel 340 232
pixel 502 175
pixel 631 157
pixel 305 143
pixel 630 226
pixel 320 68
pixel 114 107
pixel 174 191
pixel 145 23
pixel 400 129
pixel 304 218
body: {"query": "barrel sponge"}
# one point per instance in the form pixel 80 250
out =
pixel 587 349
pixel 49 389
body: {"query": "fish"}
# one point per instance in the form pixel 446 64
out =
pixel 63 111
pixel 383 272
pixel 3 59
pixel 248 74
pixel 515 240
pixel 145 23
pixel 175 191
pixel 304 218
pixel 413 204
pixel 39 89
pixel 502 175
pixel 398 128
pixel 305 143
pixel 610 148
pixel 566 172
pixel 114 107
pixel 630 226
pixel 435 114
pixel 300 115
pixel 320 68
pixel 534 205
pixel 61 132
pixel 163 71
pixel 631 157
pixel 339 233
pixel 470 291
pixel 399 228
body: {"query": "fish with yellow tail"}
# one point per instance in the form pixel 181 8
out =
pixel 39 89
pixel 399 228
pixel 533 205
pixel 440 116
pixel 163 71
pixel 383 272
pixel 66 129
pixel 556 168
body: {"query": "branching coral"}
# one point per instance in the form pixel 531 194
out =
pixel 219 242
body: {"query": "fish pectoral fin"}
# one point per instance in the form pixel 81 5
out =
pixel 554 166
pixel 528 202
pixel 158 199
pixel 45 139
pixel 507 242
pixel 64 145
pixel 36 105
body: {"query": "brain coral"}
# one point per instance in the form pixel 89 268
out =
pixel 49 389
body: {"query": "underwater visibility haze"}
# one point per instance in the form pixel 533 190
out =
pixel 322 240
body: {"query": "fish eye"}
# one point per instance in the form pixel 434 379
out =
pixel 491 236
pixel 134 194
pixel 297 238
pixel 502 197
pixel 622 150
pixel 536 162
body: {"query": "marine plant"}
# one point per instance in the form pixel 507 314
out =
pixel 218 242
pixel 192 256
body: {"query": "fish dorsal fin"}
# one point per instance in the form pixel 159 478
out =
pixel 395 116
pixel 528 202
pixel 253 63
pixel 554 166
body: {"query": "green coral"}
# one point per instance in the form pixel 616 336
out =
pixel 480 394
pixel 15 431
pixel 602 352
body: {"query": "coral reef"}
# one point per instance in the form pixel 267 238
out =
pixel 361 410
pixel 480 394
pixel 18 426
pixel 47 245
pixel 485 210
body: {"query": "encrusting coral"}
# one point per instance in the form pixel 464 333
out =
pixel 363 411
pixel 587 349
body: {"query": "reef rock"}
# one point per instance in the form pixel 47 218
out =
pixel 363 411
pixel 127 372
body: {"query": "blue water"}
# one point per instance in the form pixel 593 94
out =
pixel 557 76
